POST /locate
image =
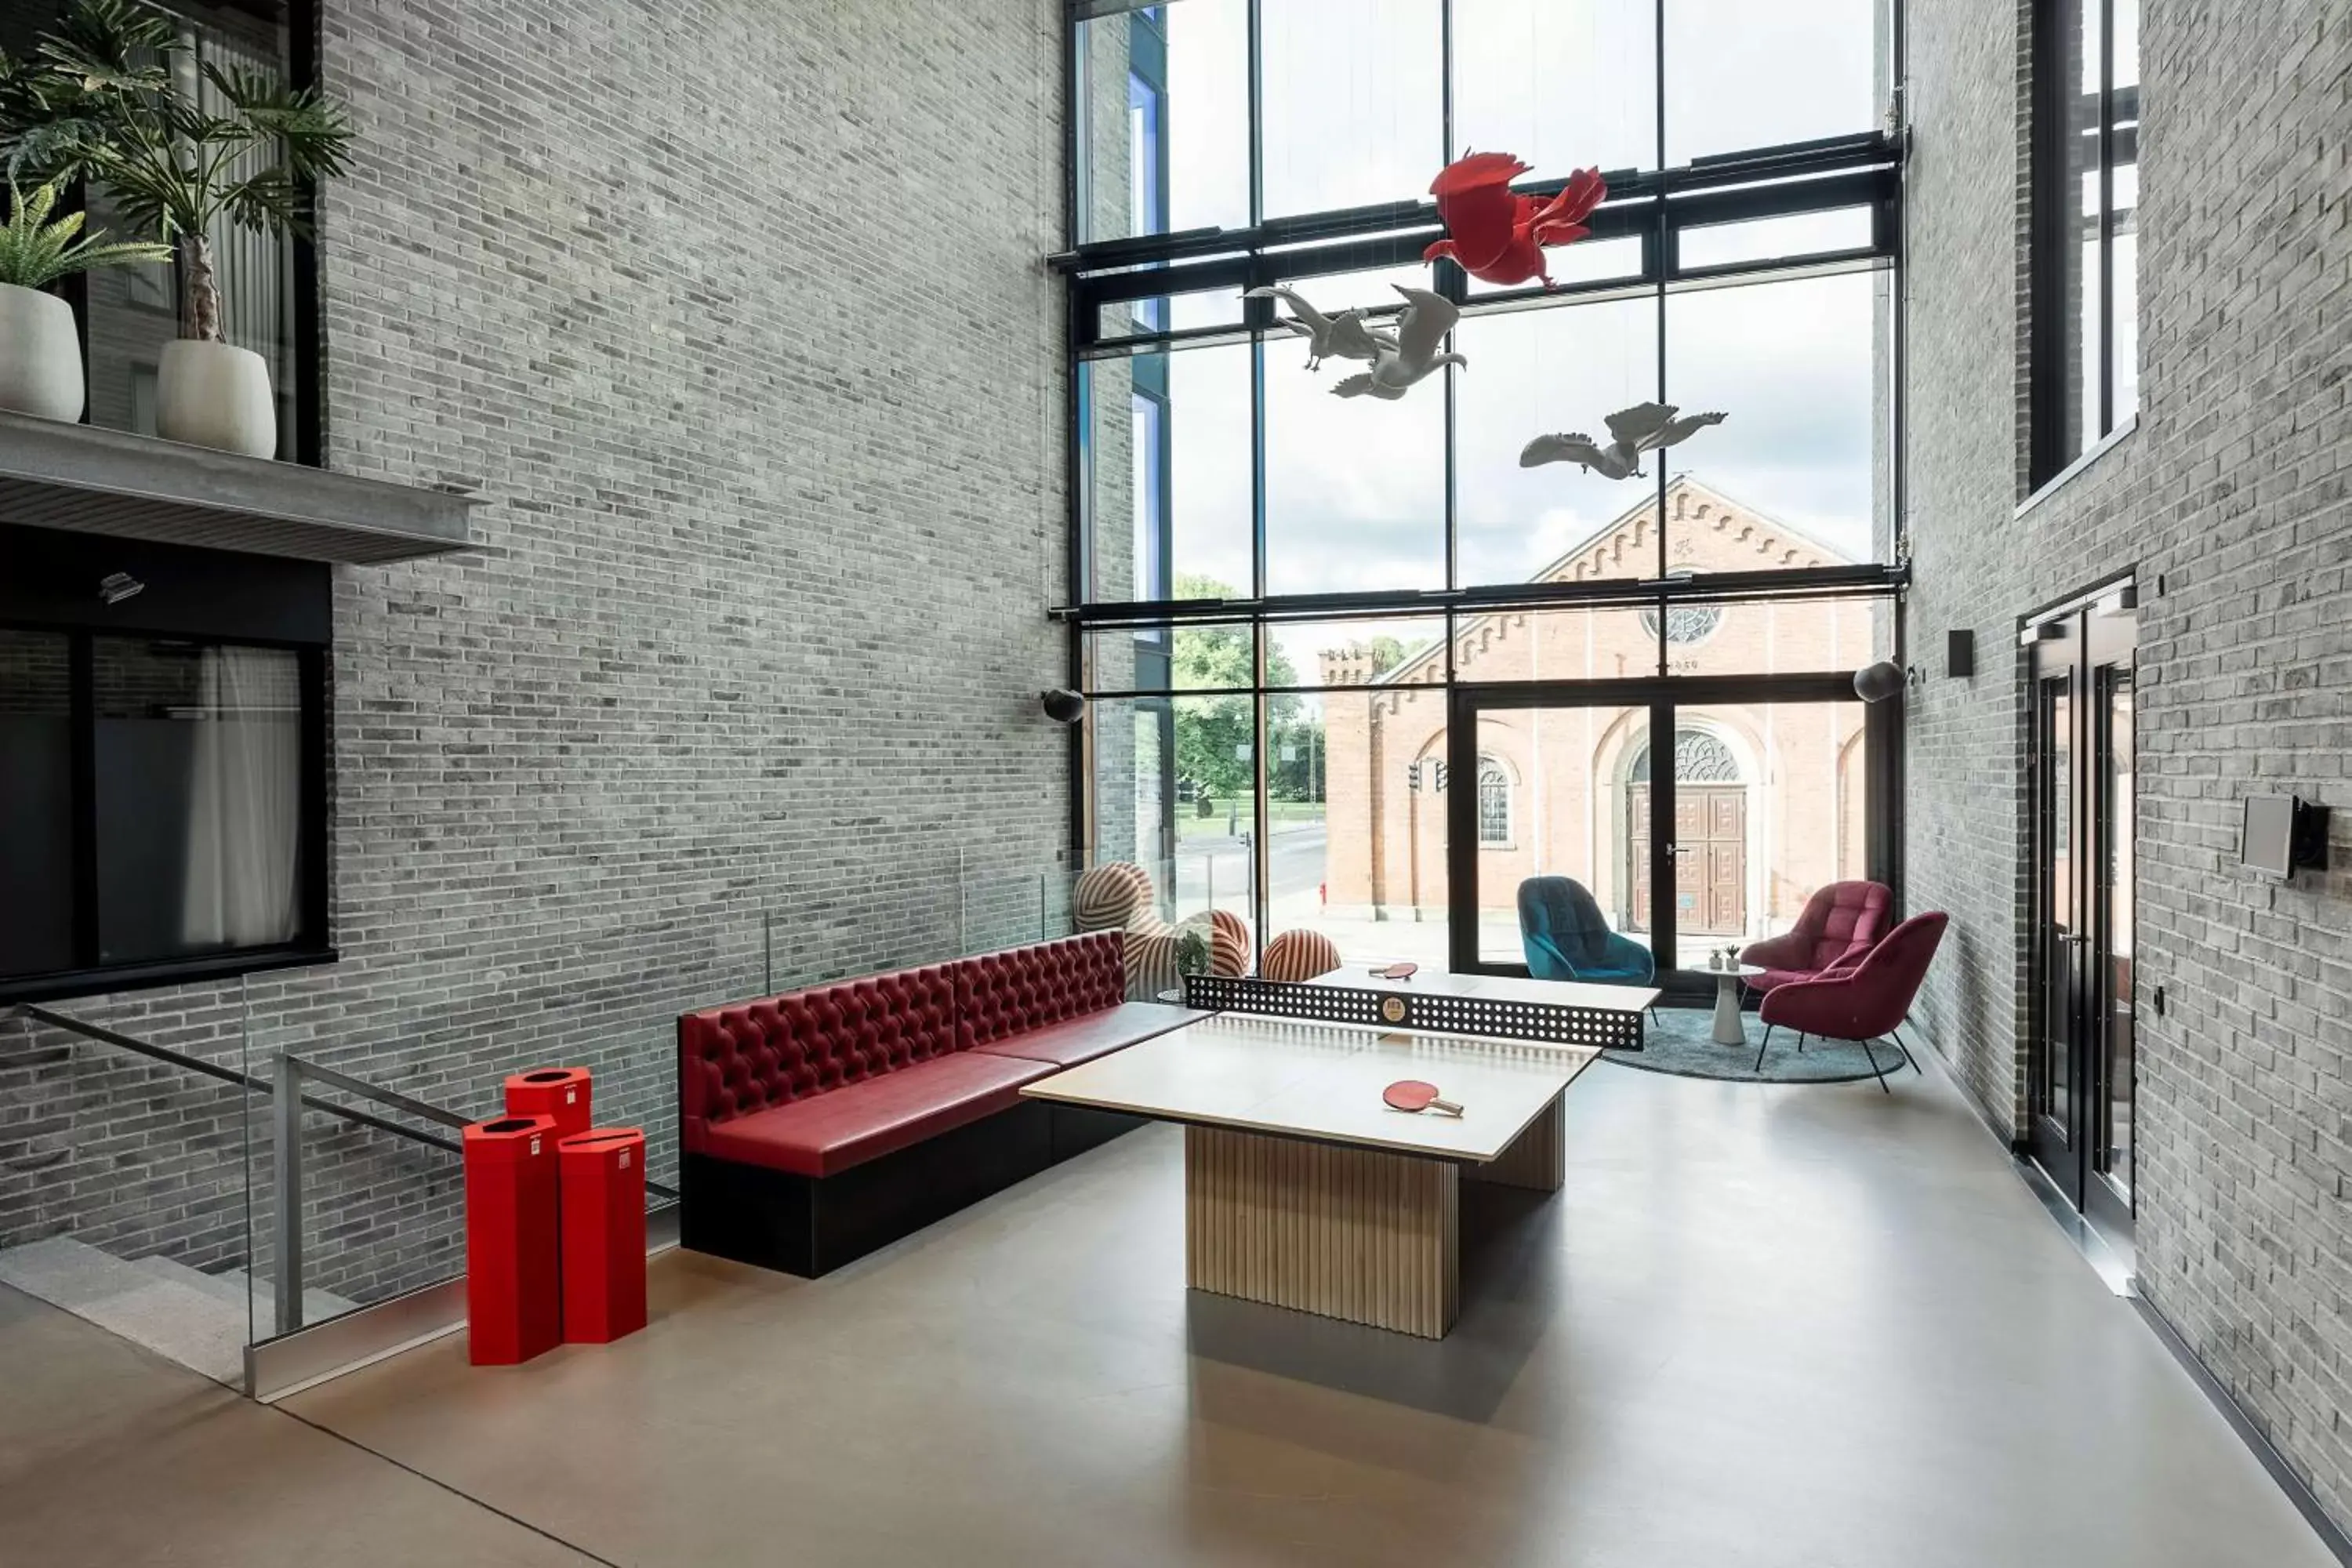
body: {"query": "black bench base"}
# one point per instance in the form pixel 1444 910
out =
pixel 811 1225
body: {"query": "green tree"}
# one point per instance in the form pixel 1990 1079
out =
pixel 1215 746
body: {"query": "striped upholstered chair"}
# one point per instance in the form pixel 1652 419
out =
pixel 1118 896
pixel 1299 955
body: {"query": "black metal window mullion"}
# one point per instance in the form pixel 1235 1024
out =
pixel 1256 24
pixel 1445 277
pixel 1261 858
pixel 2106 218
pixel 1668 249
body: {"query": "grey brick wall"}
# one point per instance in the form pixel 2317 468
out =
pixel 2232 489
pixel 734 313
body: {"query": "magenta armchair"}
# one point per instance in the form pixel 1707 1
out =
pixel 1840 923
pixel 1862 1003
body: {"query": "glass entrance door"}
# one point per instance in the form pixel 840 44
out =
pixel 1660 830
pixel 1553 871
pixel 2080 1067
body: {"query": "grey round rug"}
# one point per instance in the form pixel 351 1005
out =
pixel 1682 1042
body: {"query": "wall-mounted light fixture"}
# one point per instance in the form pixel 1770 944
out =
pixel 1877 682
pixel 117 586
pixel 1062 706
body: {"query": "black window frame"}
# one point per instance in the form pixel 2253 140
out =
pixel 1656 208
pixel 88 973
pixel 2103 125
pixel 199 597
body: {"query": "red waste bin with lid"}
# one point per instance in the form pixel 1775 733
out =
pixel 514 1281
pixel 604 1233
pixel 561 1093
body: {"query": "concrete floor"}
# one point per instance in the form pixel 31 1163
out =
pixel 1761 1326
pixel 110 1454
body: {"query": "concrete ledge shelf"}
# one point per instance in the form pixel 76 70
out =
pixel 87 481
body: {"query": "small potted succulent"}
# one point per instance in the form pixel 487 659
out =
pixel 183 148
pixel 40 349
pixel 1192 948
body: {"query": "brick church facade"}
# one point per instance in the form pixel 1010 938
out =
pixel 1769 795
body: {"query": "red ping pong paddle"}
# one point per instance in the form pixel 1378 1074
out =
pixel 1412 1094
pixel 1397 972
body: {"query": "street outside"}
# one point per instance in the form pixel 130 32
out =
pixel 1212 871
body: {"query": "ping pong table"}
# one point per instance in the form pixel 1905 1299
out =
pixel 1563 1013
pixel 1302 1188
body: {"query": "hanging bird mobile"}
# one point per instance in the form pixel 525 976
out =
pixel 1499 236
pixel 1344 336
pixel 1645 428
pixel 1420 334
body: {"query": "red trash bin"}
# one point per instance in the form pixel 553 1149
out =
pixel 514 1282
pixel 604 1233
pixel 562 1093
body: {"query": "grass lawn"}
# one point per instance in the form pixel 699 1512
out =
pixel 1284 814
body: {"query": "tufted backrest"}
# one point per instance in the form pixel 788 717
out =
pixel 747 1055
pixel 1000 994
pixel 1846 919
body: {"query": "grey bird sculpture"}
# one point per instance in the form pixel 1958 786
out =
pixel 1643 428
pixel 1344 336
pixel 1420 334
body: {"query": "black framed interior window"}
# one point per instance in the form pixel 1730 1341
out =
pixel 2085 247
pixel 163 802
pixel 162 764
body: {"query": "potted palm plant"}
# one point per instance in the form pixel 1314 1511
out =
pixel 40 350
pixel 184 148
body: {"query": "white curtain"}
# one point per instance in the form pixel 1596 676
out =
pixel 245 801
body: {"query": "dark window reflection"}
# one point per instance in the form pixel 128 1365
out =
pixel 35 802
pixel 198 797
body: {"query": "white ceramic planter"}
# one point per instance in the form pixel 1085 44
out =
pixel 40 354
pixel 215 394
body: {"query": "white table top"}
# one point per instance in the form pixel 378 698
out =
pixel 1736 972
pixel 1500 987
pixel 1324 1081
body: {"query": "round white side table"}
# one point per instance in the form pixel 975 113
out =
pixel 1727 1030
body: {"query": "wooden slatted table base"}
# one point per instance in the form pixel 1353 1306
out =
pixel 1361 1235
pixel 1536 1159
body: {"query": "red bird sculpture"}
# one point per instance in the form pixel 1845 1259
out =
pixel 1499 236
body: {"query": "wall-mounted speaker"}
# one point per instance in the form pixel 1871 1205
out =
pixel 1960 654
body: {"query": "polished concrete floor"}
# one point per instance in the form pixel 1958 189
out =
pixel 1763 1325
pixel 110 1454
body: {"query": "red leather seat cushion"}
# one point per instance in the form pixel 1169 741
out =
pixel 1775 977
pixel 830 1133
pixel 1075 1040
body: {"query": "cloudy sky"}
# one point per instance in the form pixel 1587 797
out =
pixel 1355 488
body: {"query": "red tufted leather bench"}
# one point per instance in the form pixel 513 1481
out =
pixel 819 1124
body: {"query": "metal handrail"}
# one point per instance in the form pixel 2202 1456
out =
pixel 288 1102
pixel 106 1037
